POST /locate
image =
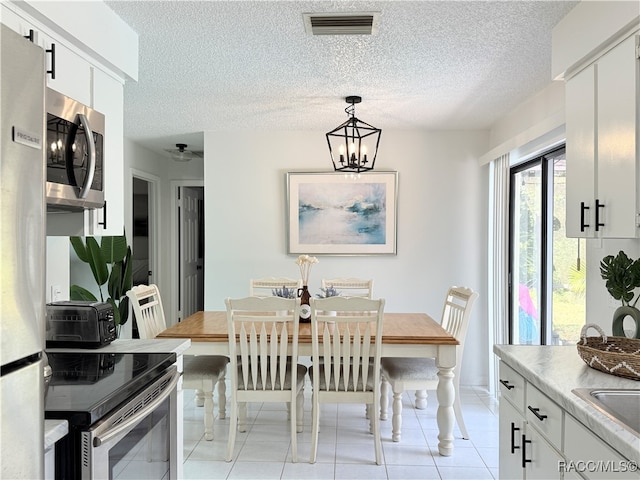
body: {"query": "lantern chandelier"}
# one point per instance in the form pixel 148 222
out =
pixel 354 144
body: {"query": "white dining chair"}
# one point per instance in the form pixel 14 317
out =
pixel 264 363
pixel 262 287
pixel 346 358
pixel 421 374
pixel 350 286
pixel 200 373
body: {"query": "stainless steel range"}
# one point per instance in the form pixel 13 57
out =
pixel 121 410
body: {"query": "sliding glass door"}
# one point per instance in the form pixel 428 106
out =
pixel 546 275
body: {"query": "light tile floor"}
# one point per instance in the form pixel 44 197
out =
pixel 345 447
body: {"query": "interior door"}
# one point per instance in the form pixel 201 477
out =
pixel 191 250
pixel 141 239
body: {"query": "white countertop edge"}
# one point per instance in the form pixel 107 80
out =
pixel 155 345
pixel 556 370
pixel 54 430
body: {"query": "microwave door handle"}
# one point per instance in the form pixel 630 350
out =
pixel 91 166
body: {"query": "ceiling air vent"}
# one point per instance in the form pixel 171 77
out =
pixel 352 23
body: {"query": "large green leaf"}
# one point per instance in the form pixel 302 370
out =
pixel 79 248
pixel 124 310
pixel 127 276
pixel 114 249
pixel 116 311
pixel 97 262
pixel 79 293
pixel 115 281
pixel 621 275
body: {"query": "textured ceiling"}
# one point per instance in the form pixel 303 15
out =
pixel 233 65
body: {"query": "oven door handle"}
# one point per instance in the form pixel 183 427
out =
pixel 132 421
pixel 91 161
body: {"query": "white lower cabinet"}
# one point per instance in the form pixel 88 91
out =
pixel 539 440
pixel 524 452
pixel 511 428
pixel 530 430
pixel 543 461
pixel 589 456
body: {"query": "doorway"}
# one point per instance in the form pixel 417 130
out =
pixel 144 231
pixel 190 249
pixel 140 241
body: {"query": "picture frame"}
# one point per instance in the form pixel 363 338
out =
pixel 333 213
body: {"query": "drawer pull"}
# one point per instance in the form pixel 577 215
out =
pixel 535 412
pixel 514 429
pixel 525 460
pixel 507 385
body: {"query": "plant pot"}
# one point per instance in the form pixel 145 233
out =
pixel 618 320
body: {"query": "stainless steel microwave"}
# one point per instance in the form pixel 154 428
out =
pixel 74 154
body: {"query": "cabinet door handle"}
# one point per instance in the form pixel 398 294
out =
pixel 514 429
pixel 583 225
pixel 525 460
pixel 598 207
pixel 535 412
pixel 52 51
pixel 507 385
pixel 30 36
pixel 104 216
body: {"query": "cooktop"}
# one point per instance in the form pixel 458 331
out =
pixel 86 386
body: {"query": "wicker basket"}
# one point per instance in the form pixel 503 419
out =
pixel 615 355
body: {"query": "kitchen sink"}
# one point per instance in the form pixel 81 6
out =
pixel 621 405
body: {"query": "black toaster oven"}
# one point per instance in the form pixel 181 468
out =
pixel 80 324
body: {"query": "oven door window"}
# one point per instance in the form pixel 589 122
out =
pixel 67 153
pixel 144 452
pixel 136 440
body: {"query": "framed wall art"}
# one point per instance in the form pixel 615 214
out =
pixel 342 214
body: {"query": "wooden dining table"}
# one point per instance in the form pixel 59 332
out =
pixel 404 335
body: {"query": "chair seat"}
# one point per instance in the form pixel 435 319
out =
pixel 204 365
pixel 410 368
pixel 350 386
pixel 302 371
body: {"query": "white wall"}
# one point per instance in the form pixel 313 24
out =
pixel 442 218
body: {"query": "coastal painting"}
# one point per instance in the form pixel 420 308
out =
pixel 338 214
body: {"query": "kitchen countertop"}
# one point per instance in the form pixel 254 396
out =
pixel 177 346
pixel 556 370
pixel 54 430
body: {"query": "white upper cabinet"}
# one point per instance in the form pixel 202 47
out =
pixel 580 100
pixel 603 145
pixel 108 99
pixel 78 72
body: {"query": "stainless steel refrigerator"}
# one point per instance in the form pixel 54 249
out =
pixel 22 257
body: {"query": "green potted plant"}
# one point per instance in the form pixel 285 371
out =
pixel 622 277
pixel 111 265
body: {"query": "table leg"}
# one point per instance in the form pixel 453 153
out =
pixel 445 393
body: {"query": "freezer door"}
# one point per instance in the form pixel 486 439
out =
pixel 22 204
pixel 22 432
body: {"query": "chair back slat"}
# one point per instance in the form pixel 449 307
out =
pixel 147 309
pixel 259 345
pixel 351 339
pixel 264 287
pixel 349 286
pixel 456 313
